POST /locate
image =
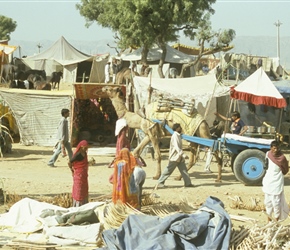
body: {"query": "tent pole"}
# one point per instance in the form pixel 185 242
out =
pixel 227 115
pixel 149 89
pixel 209 102
pixel 280 120
pixel 1 66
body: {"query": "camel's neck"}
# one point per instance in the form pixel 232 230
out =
pixel 119 106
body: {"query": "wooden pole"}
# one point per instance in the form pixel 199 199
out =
pixel 149 89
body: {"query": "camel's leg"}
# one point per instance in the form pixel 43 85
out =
pixel 137 151
pixel 192 159
pixel 154 139
pixel 157 155
pixel 154 133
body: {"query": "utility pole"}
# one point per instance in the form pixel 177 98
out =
pixel 39 46
pixel 278 24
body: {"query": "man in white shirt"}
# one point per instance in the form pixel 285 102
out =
pixel 63 139
pixel 176 159
pixel 273 183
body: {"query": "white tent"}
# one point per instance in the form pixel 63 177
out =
pixel 37 113
pixel 61 56
pixel 154 54
pixel 258 89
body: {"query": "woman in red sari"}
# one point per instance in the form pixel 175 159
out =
pixel 124 187
pixel 79 167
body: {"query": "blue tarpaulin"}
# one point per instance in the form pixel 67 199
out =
pixel 208 228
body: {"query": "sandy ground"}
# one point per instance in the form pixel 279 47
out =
pixel 25 172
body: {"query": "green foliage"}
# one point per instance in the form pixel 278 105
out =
pixel 145 22
pixel 7 26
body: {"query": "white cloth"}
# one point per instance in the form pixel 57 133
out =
pixel 247 139
pixel 273 187
pixel 120 124
pixel 139 175
pixel 273 181
pixel 26 84
pixel 25 216
pixel 107 73
pixel 276 205
pixel 175 151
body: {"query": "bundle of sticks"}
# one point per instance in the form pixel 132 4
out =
pixel 175 104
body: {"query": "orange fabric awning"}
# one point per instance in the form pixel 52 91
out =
pixel 93 90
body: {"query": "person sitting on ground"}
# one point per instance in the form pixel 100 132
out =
pixel 273 183
pixel 238 127
pixel 128 179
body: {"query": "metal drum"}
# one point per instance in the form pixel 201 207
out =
pixel 262 130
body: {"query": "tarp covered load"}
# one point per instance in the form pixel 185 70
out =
pixel 258 89
pixel 42 223
pixel 208 228
pixel 37 113
pixel 200 88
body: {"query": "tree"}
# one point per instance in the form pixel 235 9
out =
pixel 148 22
pixel 7 26
pixel 218 41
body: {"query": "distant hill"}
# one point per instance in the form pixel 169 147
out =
pixel 254 45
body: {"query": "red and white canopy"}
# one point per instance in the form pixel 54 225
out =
pixel 259 90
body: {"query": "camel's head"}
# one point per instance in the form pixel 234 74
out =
pixel 113 92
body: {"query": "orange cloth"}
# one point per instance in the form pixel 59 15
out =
pixel 124 187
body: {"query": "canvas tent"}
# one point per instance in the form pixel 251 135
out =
pixel 173 58
pixel 61 56
pixel 37 113
pixel 258 89
pixel 260 101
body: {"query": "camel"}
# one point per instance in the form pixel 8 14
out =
pixel 125 74
pixel 154 130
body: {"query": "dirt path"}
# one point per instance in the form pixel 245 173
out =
pixel 25 173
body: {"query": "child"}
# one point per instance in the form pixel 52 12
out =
pixel 273 183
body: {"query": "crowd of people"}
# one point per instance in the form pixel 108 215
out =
pixel 128 175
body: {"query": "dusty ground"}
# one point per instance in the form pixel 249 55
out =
pixel 25 173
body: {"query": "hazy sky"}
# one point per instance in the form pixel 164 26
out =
pixel 49 19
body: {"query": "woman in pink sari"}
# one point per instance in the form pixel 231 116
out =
pixel 79 167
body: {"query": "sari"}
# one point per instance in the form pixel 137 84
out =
pixel 124 187
pixel 80 190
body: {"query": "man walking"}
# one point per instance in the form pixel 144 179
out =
pixel 176 159
pixel 63 139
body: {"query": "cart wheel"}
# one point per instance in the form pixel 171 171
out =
pixel 249 167
pixel 233 158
